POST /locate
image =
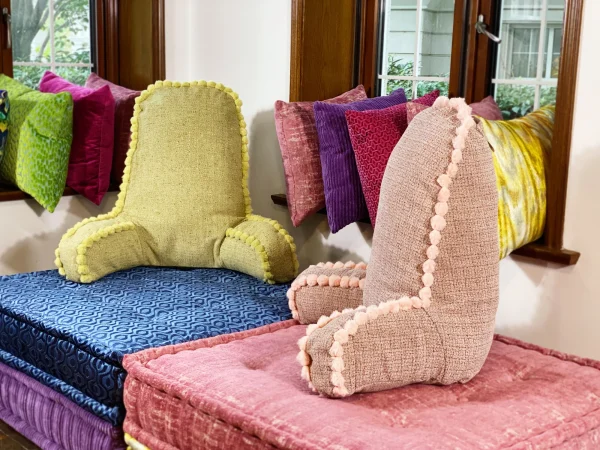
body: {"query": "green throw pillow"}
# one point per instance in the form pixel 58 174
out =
pixel 36 156
pixel 4 108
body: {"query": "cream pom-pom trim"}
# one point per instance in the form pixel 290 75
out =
pixel 323 280
pixel 362 315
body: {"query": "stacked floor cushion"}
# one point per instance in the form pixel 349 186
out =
pixel 244 391
pixel 71 338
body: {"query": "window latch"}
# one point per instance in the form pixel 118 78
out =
pixel 481 28
pixel 7 21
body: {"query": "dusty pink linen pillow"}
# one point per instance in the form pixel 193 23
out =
pixel 299 142
pixel 93 136
pixel 412 109
pixel 487 109
pixel 124 103
pixel 374 134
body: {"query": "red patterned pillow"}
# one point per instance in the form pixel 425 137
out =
pixel 299 142
pixel 374 134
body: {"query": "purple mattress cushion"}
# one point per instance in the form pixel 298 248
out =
pixel 344 197
pixel 244 390
pixel 49 419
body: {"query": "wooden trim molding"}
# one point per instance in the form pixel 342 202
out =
pixel 324 53
pixel 558 173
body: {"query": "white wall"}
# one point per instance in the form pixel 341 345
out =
pixel 246 45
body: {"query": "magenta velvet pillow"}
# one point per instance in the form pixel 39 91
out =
pixel 374 134
pixel 124 103
pixel 297 134
pixel 487 109
pixel 93 135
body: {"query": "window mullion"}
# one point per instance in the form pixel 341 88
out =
pixel 417 60
pixel 51 30
pixel 541 45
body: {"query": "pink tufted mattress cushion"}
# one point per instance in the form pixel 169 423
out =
pixel 244 391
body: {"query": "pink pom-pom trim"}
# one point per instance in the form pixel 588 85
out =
pixel 435 237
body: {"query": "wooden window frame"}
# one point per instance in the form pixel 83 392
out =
pixel 121 31
pixel 470 76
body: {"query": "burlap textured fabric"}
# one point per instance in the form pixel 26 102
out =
pixel 387 345
pixel 312 302
pixel 184 200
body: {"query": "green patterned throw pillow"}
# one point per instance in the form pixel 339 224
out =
pixel 4 108
pixel 36 156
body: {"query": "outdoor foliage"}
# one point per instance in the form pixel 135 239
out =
pixel 513 100
pixel 397 67
pixel 31 18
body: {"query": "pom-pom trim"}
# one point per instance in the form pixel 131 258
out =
pixel 82 265
pixel 323 280
pixel 363 315
pixel 254 243
pixel 283 232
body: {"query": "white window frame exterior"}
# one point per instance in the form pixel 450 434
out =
pixel 383 76
pixel 539 81
pixel 52 64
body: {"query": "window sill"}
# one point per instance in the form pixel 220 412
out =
pixel 11 193
pixel 535 250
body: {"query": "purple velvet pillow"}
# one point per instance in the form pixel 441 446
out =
pixel 93 136
pixel 344 197
pixel 124 103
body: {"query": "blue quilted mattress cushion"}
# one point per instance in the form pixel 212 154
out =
pixel 72 337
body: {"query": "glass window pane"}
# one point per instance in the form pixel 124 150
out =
pixel 400 43
pixel 437 19
pixel 72 31
pixel 76 75
pixel 29 75
pixel 515 100
pixel 425 87
pixel 30 30
pixel 417 42
pixel 407 85
pixel 51 35
pixel 547 95
pixel 531 32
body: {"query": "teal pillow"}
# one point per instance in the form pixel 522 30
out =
pixel 37 151
pixel 4 108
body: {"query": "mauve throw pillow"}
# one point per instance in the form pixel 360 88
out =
pixel 344 197
pixel 374 134
pixel 124 103
pixel 487 109
pixel 93 131
pixel 297 134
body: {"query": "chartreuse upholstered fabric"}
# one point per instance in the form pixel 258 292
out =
pixel 521 154
pixel 184 201
pixel 39 143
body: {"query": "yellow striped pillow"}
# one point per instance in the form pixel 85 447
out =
pixel 521 154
